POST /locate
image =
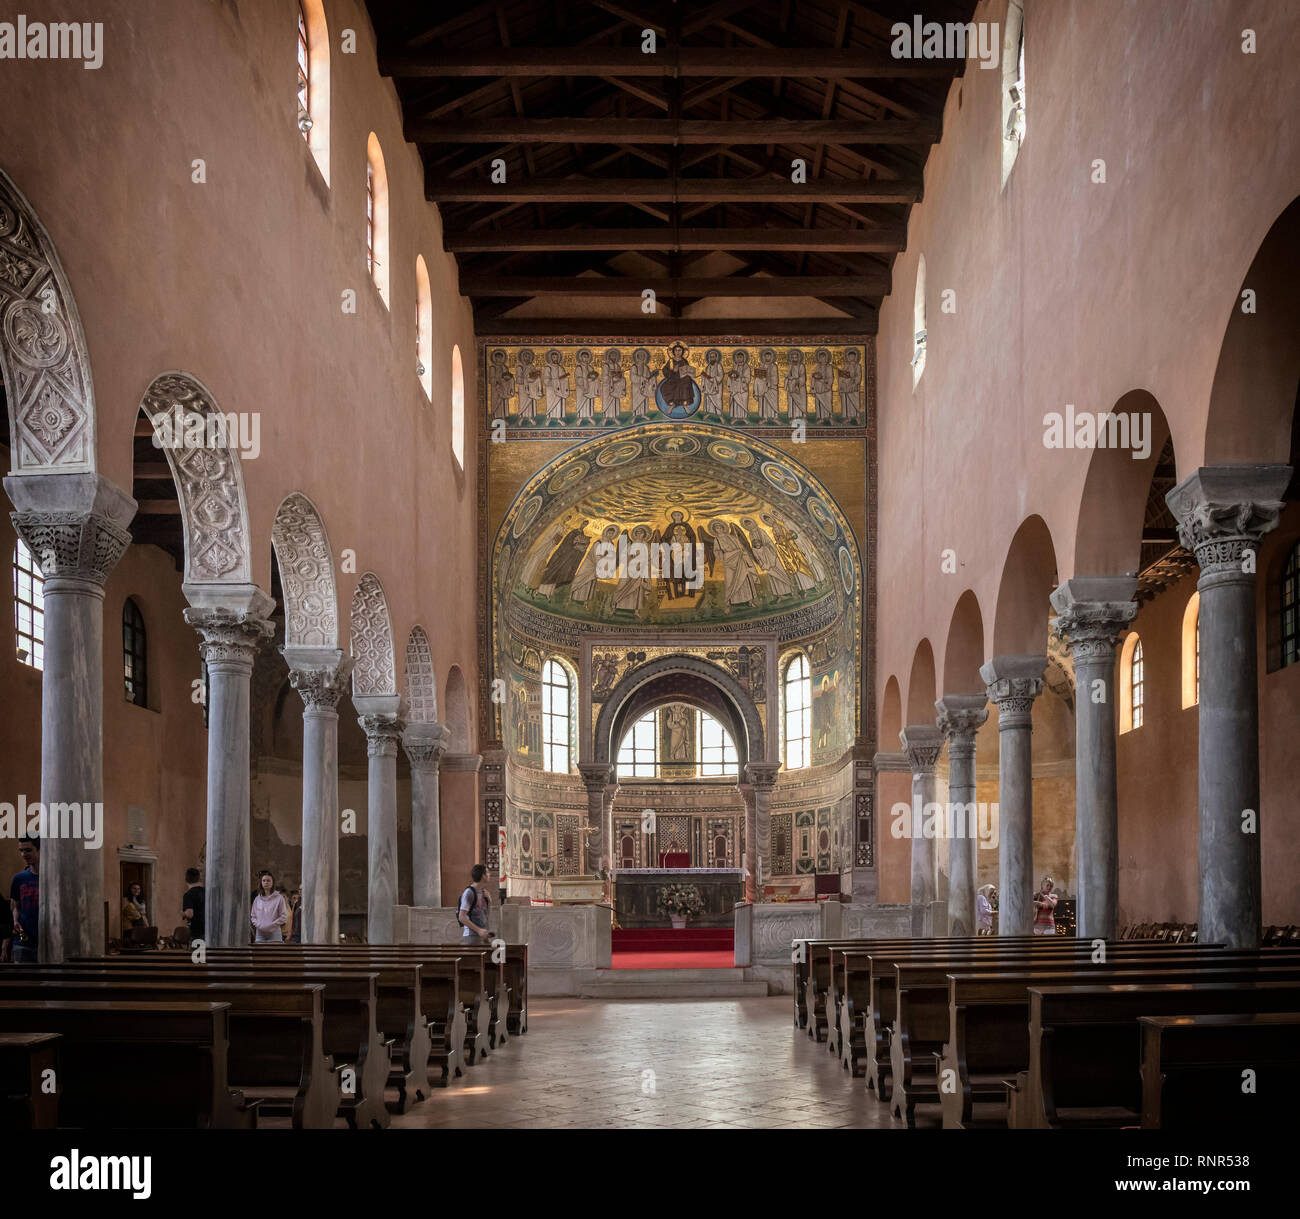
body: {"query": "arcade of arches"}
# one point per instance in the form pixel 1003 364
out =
pixel 1011 524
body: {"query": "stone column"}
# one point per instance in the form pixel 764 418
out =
pixel 1092 611
pixel 232 622
pixel 1222 513
pixel 425 744
pixel 762 777
pixel 1013 684
pixel 750 857
pixel 960 717
pixel 922 743
pixel 596 776
pixel 320 675
pixel 611 848
pixel 75 527
pixel 383 735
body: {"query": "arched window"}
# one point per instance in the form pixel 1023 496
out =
pixel 797 728
pixel 1289 606
pixel 1192 651
pixel 638 755
pixel 920 334
pixel 135 655
pixel 29 608
pixel 314 82
pixel 1013 87
pixel 1131 700
pixel 423 327
pixel 457 408
pixel 377 216
pixel 717 749
pixel 557 717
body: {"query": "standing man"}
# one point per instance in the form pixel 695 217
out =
pixel 192 904
pixel 24 899
pixel 473 913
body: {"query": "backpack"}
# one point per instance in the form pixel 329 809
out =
pixel 474 900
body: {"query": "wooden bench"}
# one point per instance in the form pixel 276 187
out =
pixel 1085 1045
pixel 109 1050
pixel 1192 1070
pixel 24 1060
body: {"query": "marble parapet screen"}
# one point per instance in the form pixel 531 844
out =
pixel 636 894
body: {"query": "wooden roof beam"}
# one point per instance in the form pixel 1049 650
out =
pixel 884 240
pixel 612 130
pixel 685 190
pixel 529 286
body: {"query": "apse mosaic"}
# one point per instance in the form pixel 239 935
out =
pixel 592 387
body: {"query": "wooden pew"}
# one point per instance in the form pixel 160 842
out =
pixel 350 1032
pixel 24 1059
pixel 988 1017
pixel 275 1053
pixel 1192 1070
pixel 1084 1045
pixel 106 1050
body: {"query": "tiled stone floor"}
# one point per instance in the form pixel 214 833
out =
pixel 724 1064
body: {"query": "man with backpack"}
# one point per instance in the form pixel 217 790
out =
pixel 473 912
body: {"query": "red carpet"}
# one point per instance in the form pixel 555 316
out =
pixel 678 959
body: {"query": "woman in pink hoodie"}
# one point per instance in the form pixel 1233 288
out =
pixel 270 912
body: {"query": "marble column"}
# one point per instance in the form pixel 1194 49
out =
pixel 611 847
pixel 1013 684
pixel 75 527
pixel 383 735
pixel 425 744
pixel 596 776
pixel 1222 513
pixel 320 675
pixel 233 622
pixel 960 717
pixel 750 857
pixel 1092 611
pixel 922 743
pixel 762 777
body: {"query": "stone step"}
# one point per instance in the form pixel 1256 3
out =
pixel 672 984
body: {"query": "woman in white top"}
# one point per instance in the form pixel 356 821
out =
pixel 984 910
pixel 270 914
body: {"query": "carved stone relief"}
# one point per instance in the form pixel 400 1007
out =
pixel 372 640
pixel 306 574
pixel 421 683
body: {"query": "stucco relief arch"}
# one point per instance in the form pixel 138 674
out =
pixel 43 356
pixel 306 562
pixel 374 669
pixel 610 723
pixel 421 680
pixel 209 484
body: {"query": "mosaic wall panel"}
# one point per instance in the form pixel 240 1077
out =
pixel 805 842
pixel 720 832
pixel 864 856
pixel 568 833
pixel 782 844
pixel 579 388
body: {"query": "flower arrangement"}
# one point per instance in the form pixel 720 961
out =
pixel 682 900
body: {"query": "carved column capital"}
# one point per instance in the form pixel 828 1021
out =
pixel 383 734
pixel 1223 511
pixel 425 745
pixel 1013 684
pixel 922 743
pixel 1091 614
pixel 762 775
pixel 596 776
pixel 960 717
pixel 82 547
pixel 229 636
pixel 320 687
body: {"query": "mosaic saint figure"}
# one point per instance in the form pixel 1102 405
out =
pixel 760 542
pixel 564 562
pixel 677 385
pixel 558 386
pixel 679 533
pixel 501 384
pixel 677 719
pixel 632 590
pixel 586 387
pixel 767 380
pixel 531 390
pixel 711 380
pixel 643 384
pixel 584 580
pixel 738 386
pixel 796 385
pixel 533 567
pixel 823 385
pixel 791 554
pixel 613 385
pixel 851 386
pixel 739 574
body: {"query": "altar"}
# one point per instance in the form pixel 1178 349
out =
pixel 636 894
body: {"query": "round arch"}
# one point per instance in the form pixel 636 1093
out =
pixel 302 549
pixel 374 670
pixel 421 680
pixel 456 703
pixel 963 653
pixel 1028 577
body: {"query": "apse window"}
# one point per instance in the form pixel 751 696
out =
pixel 457 408
pixel 29 608
pixel 797 728
pixel 1289 597
pixel 135 655
pixel 1137 686
pixel 314 83
pixel 557 716
pixel 423 327
pixel 1192 651
pixel 638 755
pixel 717 749
pixel 377 216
